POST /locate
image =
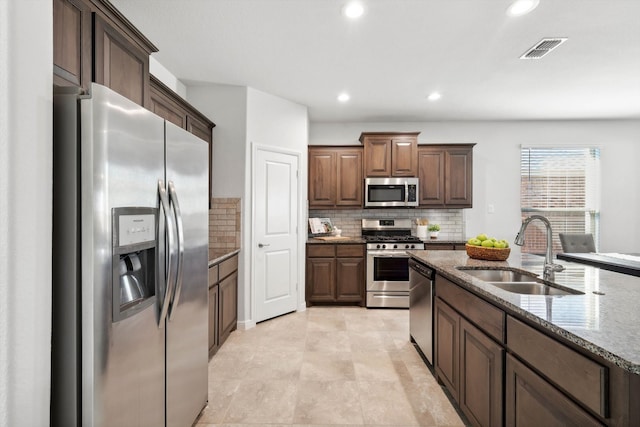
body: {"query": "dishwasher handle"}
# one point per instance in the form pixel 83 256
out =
pixel 422 269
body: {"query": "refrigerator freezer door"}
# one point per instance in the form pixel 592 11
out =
pixel 122 158
pixel 187 322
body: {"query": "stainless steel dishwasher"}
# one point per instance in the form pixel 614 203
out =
pixel 421 307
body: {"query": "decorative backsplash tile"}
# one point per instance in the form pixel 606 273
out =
pixel 224 223
pixel 451 221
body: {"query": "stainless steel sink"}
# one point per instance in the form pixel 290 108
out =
pixel 502 275
pixel 532 288
pixel 518 282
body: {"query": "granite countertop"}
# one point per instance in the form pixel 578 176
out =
pixel 605 320
pixel 350 240
pixel 216 256
pixel 353 240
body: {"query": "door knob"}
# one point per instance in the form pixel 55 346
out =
pixel 262 245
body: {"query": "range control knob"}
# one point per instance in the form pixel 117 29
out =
pixel 395 246
pixel 413 246
pixel 407 246
pixel 377 246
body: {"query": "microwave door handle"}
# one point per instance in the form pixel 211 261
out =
pixel 406 193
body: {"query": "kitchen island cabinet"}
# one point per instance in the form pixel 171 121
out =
pixel 445 173
pixel 335 274
pixel 468 359
pixel 551 360
pixel 389 154
pixel 335 177
pixel 223 300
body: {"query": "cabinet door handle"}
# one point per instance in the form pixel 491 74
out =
pixel 262 245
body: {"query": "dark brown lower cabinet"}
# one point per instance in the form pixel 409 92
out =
pixel 214 342
pixel 481 371
pixel 437 246
pixel 470 365
pixel 349 273
pixel 532 402
pixel 503 370
pixel 447 344
pixel 335 274
pixel 321 273
pixel 223 302
pixel 228 315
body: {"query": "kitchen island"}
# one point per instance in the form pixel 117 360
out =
pixel 562 358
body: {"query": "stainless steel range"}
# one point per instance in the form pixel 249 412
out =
pixel 387 261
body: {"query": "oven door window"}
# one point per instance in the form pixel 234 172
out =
pixel 391 269
pixel 386 193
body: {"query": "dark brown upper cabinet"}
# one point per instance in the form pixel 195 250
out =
pixel 119 64
pixel 446 175
pixel 388 154
pixel 173 108
pixel 335 177
pixel 94 42
pixel 71 43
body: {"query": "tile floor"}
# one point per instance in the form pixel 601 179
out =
pixel 325 366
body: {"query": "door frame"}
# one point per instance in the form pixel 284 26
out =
pixel 301 231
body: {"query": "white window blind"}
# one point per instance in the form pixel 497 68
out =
pixel 562 184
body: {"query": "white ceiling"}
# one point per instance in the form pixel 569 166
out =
pixel 401 50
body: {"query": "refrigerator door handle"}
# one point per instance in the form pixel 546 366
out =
pixel 164 201
pixel 173 198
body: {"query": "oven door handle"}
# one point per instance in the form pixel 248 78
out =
pixel 398 254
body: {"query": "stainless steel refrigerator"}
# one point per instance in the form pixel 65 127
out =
pixel 130 256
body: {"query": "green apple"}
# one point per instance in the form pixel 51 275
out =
pixel 474 242
pixel 499 245
pixel 482 237
pixel 487 243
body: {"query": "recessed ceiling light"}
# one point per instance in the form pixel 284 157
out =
pixel 343 97
pixel 434 96
pixel 522 7
pixel 353 10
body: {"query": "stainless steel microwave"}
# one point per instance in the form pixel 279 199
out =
pixel 390 192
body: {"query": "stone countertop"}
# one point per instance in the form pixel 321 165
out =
pixel 349 240
pixel 216 256
pixel 428 241
pixel 605 320
pixel 353 240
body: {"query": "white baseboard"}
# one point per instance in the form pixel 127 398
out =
pixel 246 324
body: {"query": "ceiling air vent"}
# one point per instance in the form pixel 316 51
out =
pixel 543 47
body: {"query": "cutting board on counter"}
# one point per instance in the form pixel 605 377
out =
pixel 332 238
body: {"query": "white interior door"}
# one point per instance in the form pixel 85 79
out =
pixel 275 232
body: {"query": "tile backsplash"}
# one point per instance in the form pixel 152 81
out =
pixel 224 223
pixel 451 221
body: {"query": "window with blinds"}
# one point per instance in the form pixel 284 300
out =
pixel 562 184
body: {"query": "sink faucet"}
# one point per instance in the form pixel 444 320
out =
pixel 549 267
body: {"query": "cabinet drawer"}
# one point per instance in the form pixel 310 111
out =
pixel 350 250
pixel 579 376
pixel 213 275
pixel 321 251
pixel 228 266
pixel 487 317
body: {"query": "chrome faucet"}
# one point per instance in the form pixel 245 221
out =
pixel 549 267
